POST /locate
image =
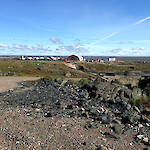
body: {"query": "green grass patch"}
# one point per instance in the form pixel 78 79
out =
pixel 45 69
pixel 117 67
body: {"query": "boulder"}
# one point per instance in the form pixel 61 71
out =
pixel 128 93
pixel 84 93
pixel 123 95
pixel 136 93
pixel 118 129
pixel 129 119
pixel 68 74
pixel 62 81
pixel 128 81
pixel 129 132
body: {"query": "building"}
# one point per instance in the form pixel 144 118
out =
pixel 145 76
pixel 112 59
pixel 51 58
pixel 75 58
pixel 23 58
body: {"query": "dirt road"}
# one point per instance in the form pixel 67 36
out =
pixel 7 83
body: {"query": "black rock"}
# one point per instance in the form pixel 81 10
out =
pixel 129 119
pixel 128 132
pixel 89 125
pixel 84 143
pixel 50 114
pixel 106 119
pixel 118 129
pixel 69 106
pixel 109 135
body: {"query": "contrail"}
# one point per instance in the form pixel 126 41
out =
pixel 141 21
pixel 103 38
pixel 119 31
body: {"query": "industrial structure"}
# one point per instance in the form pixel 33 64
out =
pixel 75 58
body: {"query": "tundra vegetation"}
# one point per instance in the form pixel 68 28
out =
pixel 56 70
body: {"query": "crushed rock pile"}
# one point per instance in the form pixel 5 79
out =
pixel 122 117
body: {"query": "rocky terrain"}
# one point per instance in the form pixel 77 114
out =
pixel 57 115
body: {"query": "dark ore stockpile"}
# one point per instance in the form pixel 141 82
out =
pixel 117 123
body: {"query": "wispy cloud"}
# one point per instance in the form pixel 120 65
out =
pixel 55 40
pixel 138 48
pixel 115 50
pixel 142 41
pixel 77 40
pixel 125 42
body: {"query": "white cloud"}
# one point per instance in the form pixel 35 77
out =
pixel 73 48
pixel 55 40
pixel 36 48
pixel 3 45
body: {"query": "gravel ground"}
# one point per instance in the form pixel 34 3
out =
pixel 28 126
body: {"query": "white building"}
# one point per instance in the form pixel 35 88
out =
pixel 112 59
pixel 76 58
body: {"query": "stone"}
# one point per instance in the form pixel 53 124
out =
pixel 37 110
pixel 68 74
pixel 105 119
pixel 140 137
pixel 144 119
pixel 84 143
pixel 50 114
pixel 117 129
pixel 122 95
pixel 141 126
pixel 145 148
pixel 147 124
pixel 129 106
pixel 69 107
pixel 128 93
pixel 90 125
pixel 101 109
pixel 102 148
pixel 85 93
pixel 136 109
pixel 129 119
pixel 123 104
pixel 128 81
pixel 129 132
pixel 145 140
pixel 64 81
pixel 117 121
pixel 109 135
pixel 136 93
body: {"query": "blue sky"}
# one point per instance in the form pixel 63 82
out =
pixel 84 27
